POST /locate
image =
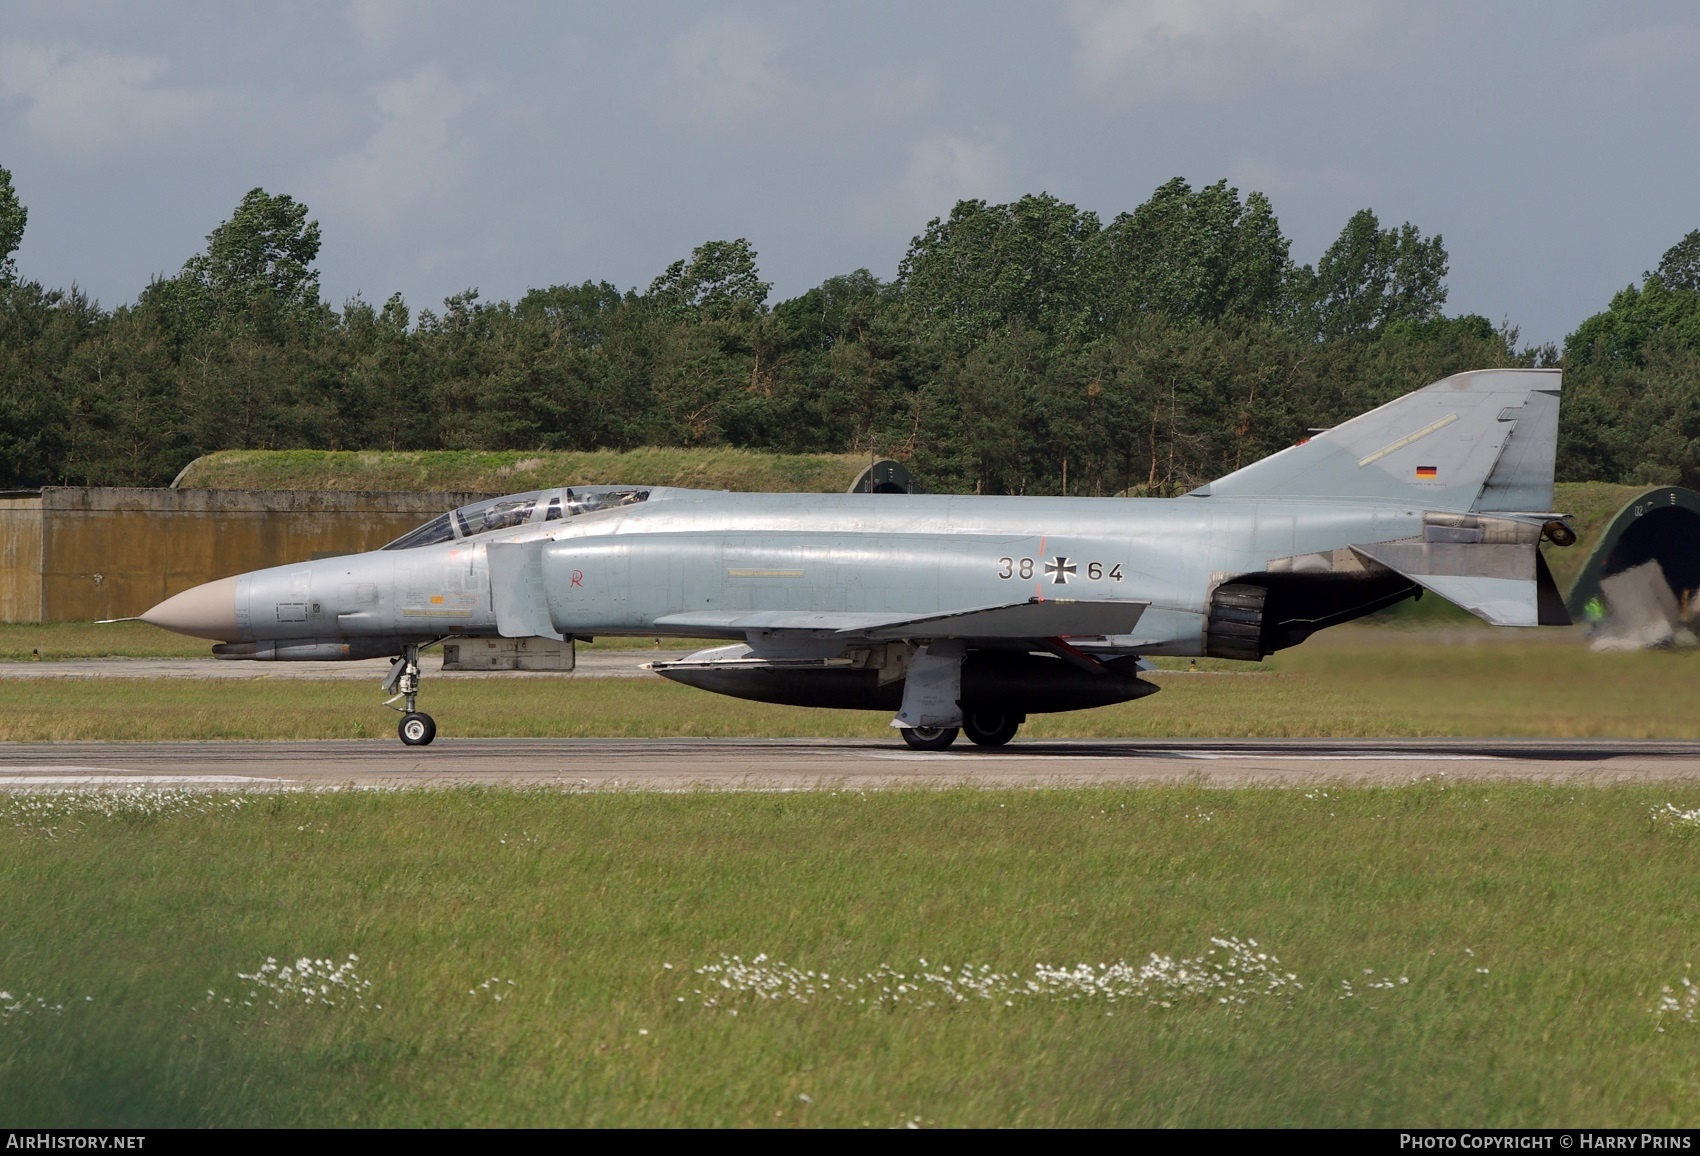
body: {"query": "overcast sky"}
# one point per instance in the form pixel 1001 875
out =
pixel 1555 146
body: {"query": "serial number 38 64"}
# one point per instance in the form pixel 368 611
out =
pixel 1059 569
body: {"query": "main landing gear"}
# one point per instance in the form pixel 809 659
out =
pixel 928 738
pixel 985 726
pixel 991 726
pixel 416 728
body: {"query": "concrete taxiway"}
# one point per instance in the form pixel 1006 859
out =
pixel 803 764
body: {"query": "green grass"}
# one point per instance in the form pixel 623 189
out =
pixel 1579 907
pixel 507 471
pixel 61 641
pixel 1351 683
pixel 67 641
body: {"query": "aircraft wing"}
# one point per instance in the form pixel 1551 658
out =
pixel 1051 618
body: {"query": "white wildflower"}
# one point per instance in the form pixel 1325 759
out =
pixel 1230 973
pixel 1684 1008
pixel 58 813
pixel 29 1004
pixel 1675 817
pixel 311 982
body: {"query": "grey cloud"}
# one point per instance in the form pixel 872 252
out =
pixel 85 104
pixel 1179 47
pixel 508 145
pixel 724 67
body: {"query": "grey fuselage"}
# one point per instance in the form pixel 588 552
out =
pixel 717 557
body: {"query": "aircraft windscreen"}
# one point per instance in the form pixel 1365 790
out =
pixel 515 510
pixel 437 530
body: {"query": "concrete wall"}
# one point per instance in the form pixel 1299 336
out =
pixel 20 558
pixel 77 554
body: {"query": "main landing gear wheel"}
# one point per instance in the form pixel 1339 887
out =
pixel 928 738
pixel 417 729
pixel 990 726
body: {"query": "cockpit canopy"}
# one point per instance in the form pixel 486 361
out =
pixel 517 510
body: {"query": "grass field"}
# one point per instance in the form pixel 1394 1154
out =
pixel 1480 956
pixel 58 641
pixel 1350 683
pixel 64 641
pixel 510 471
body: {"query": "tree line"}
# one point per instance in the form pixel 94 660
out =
pixel 1027 347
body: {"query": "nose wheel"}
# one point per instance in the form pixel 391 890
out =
pixel 416 728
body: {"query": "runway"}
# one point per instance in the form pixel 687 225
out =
pixel 828 764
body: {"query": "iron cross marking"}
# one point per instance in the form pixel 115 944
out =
pixel 1058 569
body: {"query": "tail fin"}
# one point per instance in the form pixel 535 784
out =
pixel 1481 442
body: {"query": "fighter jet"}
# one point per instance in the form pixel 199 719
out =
pixel 955 614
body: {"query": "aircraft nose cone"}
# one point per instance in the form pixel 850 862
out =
pixel 204 611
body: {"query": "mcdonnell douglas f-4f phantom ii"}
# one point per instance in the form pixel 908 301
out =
pixel 954 613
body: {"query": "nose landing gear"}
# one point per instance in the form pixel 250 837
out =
pixel 416 728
